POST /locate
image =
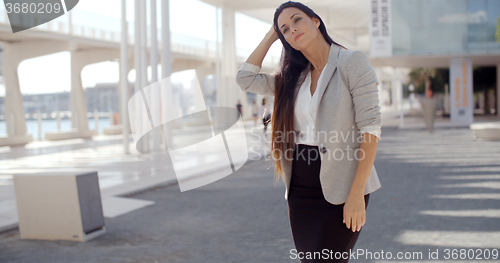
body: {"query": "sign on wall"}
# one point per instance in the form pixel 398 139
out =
pixel 461 108
pixel 380 28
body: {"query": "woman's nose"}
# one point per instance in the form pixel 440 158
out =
pixel 294 30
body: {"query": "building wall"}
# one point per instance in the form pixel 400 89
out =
pixel 425 27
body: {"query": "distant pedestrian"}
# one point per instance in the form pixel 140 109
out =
pixel 116 118
pixel 264 114
pixel 238 106
pixel 428 87
pixel 255 113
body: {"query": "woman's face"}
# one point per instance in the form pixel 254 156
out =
pixel 298 28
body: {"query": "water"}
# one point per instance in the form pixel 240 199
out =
pixel 51 126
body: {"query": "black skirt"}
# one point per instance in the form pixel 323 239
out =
pixel 316 224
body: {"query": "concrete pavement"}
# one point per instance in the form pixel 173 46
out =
pixel 119 173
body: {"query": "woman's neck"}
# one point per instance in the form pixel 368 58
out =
pixel 317 53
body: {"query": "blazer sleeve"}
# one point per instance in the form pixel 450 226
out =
pixel 249 79
pixel 363 85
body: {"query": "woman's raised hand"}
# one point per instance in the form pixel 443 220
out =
pixel 260 52
pixel 272 34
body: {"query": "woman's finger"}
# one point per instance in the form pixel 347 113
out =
pixel 345 216
pixel 347 220
pixel 362 221
pixel 353 222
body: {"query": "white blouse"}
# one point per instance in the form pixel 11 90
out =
pixel 306 107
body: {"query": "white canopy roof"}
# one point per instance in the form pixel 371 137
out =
pixel 346 21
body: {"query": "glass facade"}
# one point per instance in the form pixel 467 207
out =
pixel 442 27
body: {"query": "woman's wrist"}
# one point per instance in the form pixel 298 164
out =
pixel 356 191
pixel 268 39
pixel 271 36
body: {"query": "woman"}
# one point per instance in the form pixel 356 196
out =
pixel 255 111
pixel 264 114
pixel 238 107
pixel 321 87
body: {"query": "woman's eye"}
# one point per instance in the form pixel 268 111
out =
pixel 298 18
pixel 284 31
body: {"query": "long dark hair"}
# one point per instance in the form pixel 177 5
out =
pixel 292 63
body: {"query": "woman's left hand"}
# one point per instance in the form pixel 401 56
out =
pixel 354 211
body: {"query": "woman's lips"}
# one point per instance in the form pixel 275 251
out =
pixel 299 35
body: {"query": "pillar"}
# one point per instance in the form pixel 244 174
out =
pixel 14 110
pixel 78 105
pixel 395 104
pixel 154 65
pixel 397 94
pixel 166 64
pixel 228 92
pixel 144 64
pixel 13 55
pixel 461 102
pixel 124 86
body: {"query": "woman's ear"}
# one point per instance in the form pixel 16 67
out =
pixel 316 22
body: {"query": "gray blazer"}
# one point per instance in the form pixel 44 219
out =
pixel 348 102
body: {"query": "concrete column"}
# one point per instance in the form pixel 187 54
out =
pixel 166 64
pixel 228 92
pixel 144 44
pixel 138 60
pixel 78 105
pixel 154 44
pixel 218 51
pixel 14 110
pixel 137 47
pixel 131 66
pixel 154 66
pixel 77 99
pixel 461 95
pixel 380 87
pixel 144 63
pixel 397 95
pixel 125 95
pixel 201 74
pixel 13 54
pixel 70 22
pixel 394 92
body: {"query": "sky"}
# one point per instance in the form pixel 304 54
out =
pixel 51 73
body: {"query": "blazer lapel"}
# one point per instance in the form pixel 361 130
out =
pixel 301 79
pixel 329 70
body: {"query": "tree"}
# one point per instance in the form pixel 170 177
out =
pixel 484 78
pixel 418 77
pixel 438 77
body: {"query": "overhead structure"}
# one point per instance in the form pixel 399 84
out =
pixel 346 21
